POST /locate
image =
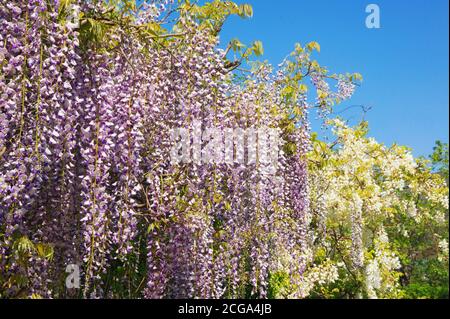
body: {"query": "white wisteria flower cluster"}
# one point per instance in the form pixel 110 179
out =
pixel 368 200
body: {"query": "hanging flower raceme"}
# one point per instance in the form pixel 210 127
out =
pixel 86 176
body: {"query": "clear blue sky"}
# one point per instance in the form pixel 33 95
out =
pixel 404 64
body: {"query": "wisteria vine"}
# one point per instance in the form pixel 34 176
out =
pixel 85 175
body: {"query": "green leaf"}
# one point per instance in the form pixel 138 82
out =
pixel 150 228
pixel 258 48
pixel 45 251
pixel 303 88
pixel 24 245
pixel 245 11
pixel 313 46
pixel 154 28
pixel 236 45
pixel 321 94
pixel 217 198
pixel 357 77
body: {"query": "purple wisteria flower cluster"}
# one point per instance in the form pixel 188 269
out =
pixel 85 170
